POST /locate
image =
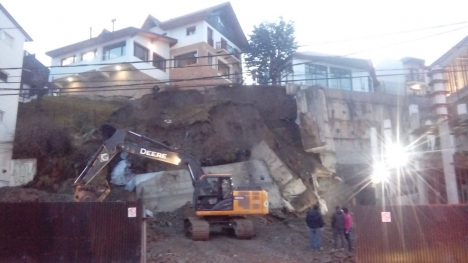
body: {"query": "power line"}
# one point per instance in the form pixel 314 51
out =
pixel 385 34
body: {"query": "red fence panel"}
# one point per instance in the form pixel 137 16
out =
pixel 426 234
pixel 71 232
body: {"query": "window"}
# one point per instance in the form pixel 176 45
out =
pixel 2 113
pixel 316 75
pixel 159 62
pixel 7 38
pixel 3 76
pixel 114 51
pixel 186 59
pixel 140 51
pixel 67 61
pixel 210 37
pixel 191 30
pixel 87 56
pixel 223 69
pixel 211 60
pixel 340 79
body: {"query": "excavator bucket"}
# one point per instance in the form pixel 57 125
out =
pixel 91 193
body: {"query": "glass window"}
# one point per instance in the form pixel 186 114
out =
pixel 140 51
pixel 316 75
pixel 68 61
pixel 211 60
pixel 159 62
pixel 3 76
pixel 7 38
pixel 223 69
pixel 87 56
pixel 114 51
pixel 191 30
pixel 340 79
pixel 185 59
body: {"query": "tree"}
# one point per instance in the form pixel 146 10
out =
pixel 271 44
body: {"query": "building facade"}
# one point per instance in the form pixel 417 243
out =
pixel 12 39
pixel 314 69
pixel 199 49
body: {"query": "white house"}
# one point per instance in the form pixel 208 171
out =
pixel 12 39
pixel 310 68
pixel 201 48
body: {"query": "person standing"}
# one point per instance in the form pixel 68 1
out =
pixel 315 223
pixel 348 226
pixel 338 226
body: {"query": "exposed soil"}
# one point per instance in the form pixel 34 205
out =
pixel 216 127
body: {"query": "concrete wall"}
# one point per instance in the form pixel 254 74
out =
pixel 169 190
pixel 11 56
pixel 337 125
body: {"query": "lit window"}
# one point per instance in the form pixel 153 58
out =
pixel 68 61
pixel 90 55
pixel 159 62
pixel 140 51
pixel 3 76
pixel 7 38
pixel 191 30
pixel 185 59
pixel 114 51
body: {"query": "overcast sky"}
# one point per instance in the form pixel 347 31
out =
pixel 358 28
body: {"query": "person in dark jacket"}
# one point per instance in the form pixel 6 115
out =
pixel 315 223
pixel 338 226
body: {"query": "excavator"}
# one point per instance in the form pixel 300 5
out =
pixel 217 203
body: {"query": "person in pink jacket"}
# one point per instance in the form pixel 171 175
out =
pixel 348 224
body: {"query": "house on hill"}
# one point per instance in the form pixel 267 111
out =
pixel 12 39
pixel 198 49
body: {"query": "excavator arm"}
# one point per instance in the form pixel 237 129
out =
pixel 116 144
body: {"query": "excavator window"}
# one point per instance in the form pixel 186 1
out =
pixel 219 197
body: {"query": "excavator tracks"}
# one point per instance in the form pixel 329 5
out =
pixel 243 228
pixel 197 228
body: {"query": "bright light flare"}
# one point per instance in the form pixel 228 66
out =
pixel 118 67
pixel 380 173
pixel 397 156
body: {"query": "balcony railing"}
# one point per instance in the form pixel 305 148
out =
pixel 222 45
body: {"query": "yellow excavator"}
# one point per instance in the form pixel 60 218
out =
pixel 216 202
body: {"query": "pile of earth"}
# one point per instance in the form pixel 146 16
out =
pixel 217 126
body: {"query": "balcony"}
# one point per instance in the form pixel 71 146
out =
pixel 223 48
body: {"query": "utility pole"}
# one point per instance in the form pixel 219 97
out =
pixel 113 21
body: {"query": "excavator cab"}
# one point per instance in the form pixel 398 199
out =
pixel 218 196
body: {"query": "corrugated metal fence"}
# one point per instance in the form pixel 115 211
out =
pixel 426 234
pixel 71 232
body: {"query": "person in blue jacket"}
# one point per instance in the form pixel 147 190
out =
pixel 314 220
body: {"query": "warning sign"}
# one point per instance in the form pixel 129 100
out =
pixel 132 212
pixel 386 217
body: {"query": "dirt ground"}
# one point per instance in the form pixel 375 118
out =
pixel 276 240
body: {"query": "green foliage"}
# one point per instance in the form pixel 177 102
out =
pixel 271 44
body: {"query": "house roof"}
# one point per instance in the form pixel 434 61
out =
pixel 199 16
pixel 20 28
pixel 107 36
pixel 337 60
pixel 452 53
pixel 150 22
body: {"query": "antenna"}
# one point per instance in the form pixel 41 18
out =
pixel 90 32
pixel 113 21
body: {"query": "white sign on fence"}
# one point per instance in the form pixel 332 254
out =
pixel 132 212
pixel 386 217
